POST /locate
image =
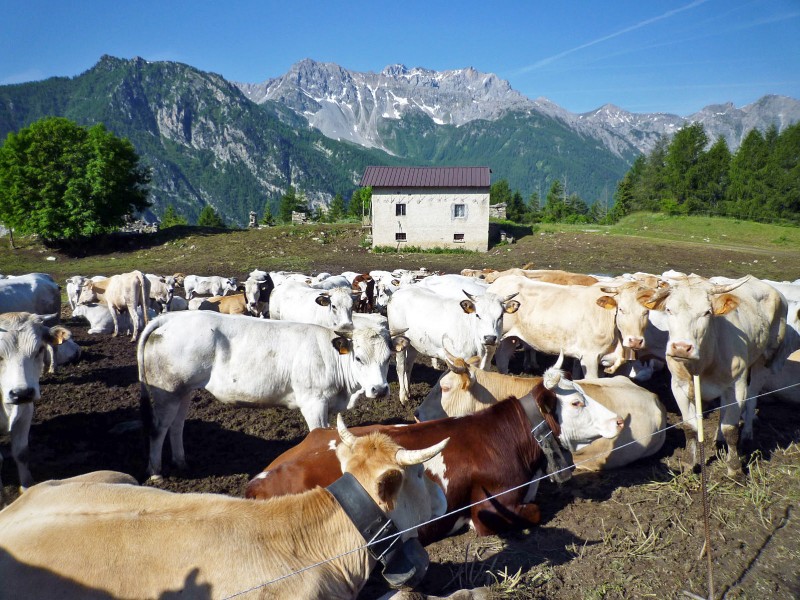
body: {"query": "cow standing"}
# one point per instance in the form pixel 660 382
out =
pixel 128 292
pixel 254 362
pixel 731 336
pixel 23 346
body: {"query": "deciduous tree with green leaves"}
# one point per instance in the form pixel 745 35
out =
pixel 63 181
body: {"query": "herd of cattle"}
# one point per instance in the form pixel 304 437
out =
pixel 323 343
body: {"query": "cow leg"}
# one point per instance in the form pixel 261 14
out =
pixel 486 360
pixel 165 408
pixel 495 516
pixel 732 400
pixel 176 434
pixel 315 412
pixel 503 353
pixel 134 314
pixel 19 425
pixel 114 320
pixel 684 397
pixel 589 365
pixel 405 363
pixel 758 377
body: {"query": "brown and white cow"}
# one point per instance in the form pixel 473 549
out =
pixel 466 389
pixel 363 287
pixel 488 453
pixel 585 322
pixel 87 538
pixel 227 305
pixel 731 335
pixel 126 292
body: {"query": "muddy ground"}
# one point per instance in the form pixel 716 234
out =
pixel 632 533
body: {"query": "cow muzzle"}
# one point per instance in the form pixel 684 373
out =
pixel 21 395
pixel 490 340
pixel 379 391
pixel 406 566
pixel 682 350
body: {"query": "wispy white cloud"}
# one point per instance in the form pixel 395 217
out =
pixel 546 61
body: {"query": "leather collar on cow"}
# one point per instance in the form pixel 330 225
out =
pixel 556 464
pixel 404 563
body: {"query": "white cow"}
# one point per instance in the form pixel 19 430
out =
pixel 471 327
pixel 100 320
pixel 454 286
pixel 730 335
pixel 195 285
pixel 68 539
pixel 34 293
pixel 257 292
pixel 254 362
pixel 295 301
pixel 74 285
pixel 23 347
pixel 161 292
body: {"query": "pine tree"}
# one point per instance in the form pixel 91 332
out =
pixel 268 219
pixel 288 205
pixel 210 218
pixel 336 209
pixel 171 218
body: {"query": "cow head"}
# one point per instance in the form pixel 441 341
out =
pixel 87 293
pixel 630 316
pixel 582 418
pixel 257 292
pixel 22 352
pixel 339 303
pixel 367 351
pixel 457 392
pixel 690 305
pixel 488 310
pixel 393 477
pixel 229 286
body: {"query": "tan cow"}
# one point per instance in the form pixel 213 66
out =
pixel 228 305
pixel 89 539
pixel 466 389
pixel 585 322
pixel 546 275
pixel 730 333
pixel 125 292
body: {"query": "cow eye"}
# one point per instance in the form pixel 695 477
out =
pixel 358 360
pixel 445 388
pixel 668 311
pixel 577 403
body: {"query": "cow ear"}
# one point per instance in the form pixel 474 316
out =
pixel 400 343
pixel 468 306
pixel 58 335
pixel 388 485
pixel 323 300
pixel 342 345
pixel 651 299
pixel 724 303
pixel 606 302
pixel 511 307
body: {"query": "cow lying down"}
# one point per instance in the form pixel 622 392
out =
pixel 466 389
pixel 88 538
pixel 100 320
pixel 489 452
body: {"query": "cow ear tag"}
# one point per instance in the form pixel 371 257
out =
pixel 467 306
pixel 342 345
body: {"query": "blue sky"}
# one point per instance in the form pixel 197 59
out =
pixel 644 56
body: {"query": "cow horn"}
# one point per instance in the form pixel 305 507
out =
pixel 345 333
pixel 510 297
pixel 560 360
pixel 453 362
pixel 348 439
pixel 723 288
pixel 406 458
pixel 397 332
pixel 468 295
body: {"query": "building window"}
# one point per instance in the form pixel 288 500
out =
pixel 399 237
pixel 460 210
pixel 458 238
pixel 400 210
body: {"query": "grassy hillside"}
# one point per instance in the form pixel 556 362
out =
pixel 643 242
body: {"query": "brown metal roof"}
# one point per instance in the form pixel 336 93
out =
pixel 426 177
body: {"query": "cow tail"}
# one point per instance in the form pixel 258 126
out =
pixel 145 404
pixel 145 294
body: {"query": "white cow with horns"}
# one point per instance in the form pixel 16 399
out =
pixel 254 362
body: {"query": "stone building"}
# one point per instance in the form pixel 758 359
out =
pixel 430 207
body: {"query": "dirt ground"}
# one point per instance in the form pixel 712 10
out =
pixel 632 533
